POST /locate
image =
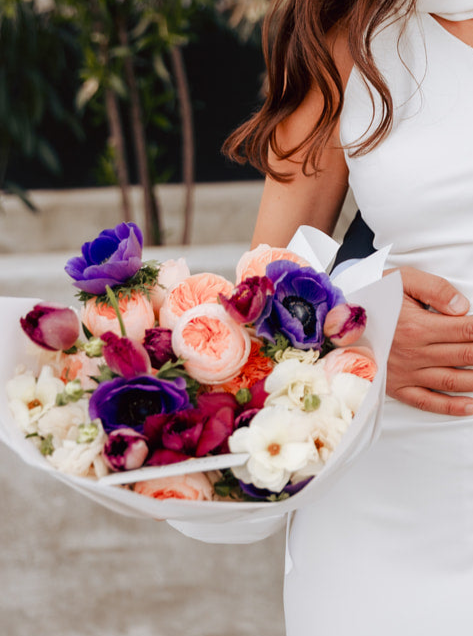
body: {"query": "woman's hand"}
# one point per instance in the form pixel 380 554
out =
pixel 428 347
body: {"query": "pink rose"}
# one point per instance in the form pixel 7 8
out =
pixel 254 262
pixel 194 487
pixel 170 273
pixel 356 360
pixel 194 290
pixel 213 345
pixel 136 310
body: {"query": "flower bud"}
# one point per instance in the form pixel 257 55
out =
pixel 157 343
pixel 248 299
pixel 93 348
pixel 124 356
pixel 344 324
pixel 53 327
pixel 125 449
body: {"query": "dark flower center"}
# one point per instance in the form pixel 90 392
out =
pixel 137 405
pixel 118 447
pixel 302 310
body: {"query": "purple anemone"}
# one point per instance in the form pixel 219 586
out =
pixel 302 298
pixel 126 403
pixel 111 259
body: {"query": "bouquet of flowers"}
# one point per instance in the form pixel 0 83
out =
pixel 185 396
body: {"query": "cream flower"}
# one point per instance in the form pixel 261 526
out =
pixel 309 356
pixel 350 390
pixel 278 441
pixel 293 383
pixel 29 398
pixel 77 442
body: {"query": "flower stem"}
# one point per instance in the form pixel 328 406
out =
pixel 114 303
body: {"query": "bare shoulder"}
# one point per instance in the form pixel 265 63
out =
pixel 337 39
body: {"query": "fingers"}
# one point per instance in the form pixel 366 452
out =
pixel 434 291
pixel 425 400
pixel 443 355
pixel 421 326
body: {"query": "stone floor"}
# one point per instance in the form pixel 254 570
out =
pixel 72 568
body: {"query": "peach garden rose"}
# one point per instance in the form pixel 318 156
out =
pixel 136 310
pixel 193 487
pixel 254 262
pixel 194 290
pixel 170 273
pixel 213 345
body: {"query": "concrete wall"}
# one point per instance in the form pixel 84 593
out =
pixel 224 213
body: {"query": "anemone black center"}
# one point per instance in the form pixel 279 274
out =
pixel 137 405
pixel 301 310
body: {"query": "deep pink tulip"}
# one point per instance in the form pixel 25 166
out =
pixel 53 327
pixel 124 356
pixel 248 299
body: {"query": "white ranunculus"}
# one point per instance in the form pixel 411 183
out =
pixel 291 381
pixel 62 422
pixel 278 442
pixel 349 389
pixel 77 454
pixel 29 398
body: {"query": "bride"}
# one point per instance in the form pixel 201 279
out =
pixel 378 95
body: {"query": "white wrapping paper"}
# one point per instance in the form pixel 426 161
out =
pixel 382 300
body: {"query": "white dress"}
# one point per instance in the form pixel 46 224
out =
pixel 389 550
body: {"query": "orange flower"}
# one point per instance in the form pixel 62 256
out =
pixel 194 487
pixel 194 290
pixel 256 368
pixel 254 262
pixel 356 360
pixel 136 311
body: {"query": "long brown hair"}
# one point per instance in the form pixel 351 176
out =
pixel 297 56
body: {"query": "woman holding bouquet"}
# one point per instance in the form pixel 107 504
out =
pixel 379 94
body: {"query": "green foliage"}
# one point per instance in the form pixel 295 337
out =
pixel 34 49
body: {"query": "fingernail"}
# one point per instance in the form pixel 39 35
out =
pixel 459 304
pixel 469 409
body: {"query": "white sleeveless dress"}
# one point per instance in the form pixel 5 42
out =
pixel 389 550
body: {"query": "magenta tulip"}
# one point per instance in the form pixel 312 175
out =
pixel 124 356
pixel 53 327
pixel 248 299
